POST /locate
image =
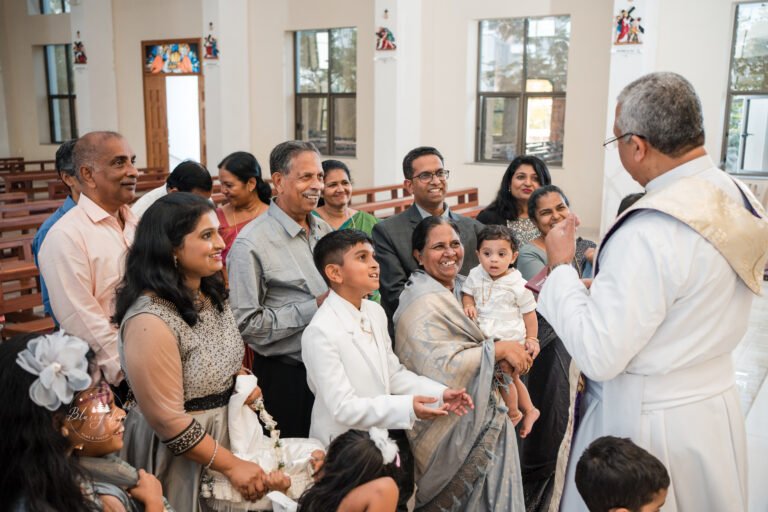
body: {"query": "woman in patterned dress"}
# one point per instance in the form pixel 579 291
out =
pixel 180 350
pixel 510 208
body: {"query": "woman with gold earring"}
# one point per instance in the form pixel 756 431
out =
pixel 247 194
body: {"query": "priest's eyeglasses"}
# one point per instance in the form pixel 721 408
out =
pixel 613 142
pixel 426 177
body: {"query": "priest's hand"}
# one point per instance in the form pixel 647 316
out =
pixel 560 242
pixel 458 401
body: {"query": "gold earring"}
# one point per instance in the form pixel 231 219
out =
pixel 64 432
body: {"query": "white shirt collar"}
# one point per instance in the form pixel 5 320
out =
pixel 350 316
pixel 688 169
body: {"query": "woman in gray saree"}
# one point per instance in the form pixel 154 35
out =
pixel 468 462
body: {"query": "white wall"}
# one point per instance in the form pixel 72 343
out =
pixel 272 69
pixel 5 143
pixel 95 82
pixel 135 21
pixel 19 36
pixel 449 49
pixel 436 77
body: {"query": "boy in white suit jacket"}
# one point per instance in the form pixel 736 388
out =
pixel 357 379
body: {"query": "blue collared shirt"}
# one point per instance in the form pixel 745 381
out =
pixel 37 243
pixel 447 213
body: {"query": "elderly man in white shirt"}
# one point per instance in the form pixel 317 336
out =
pixel 674 280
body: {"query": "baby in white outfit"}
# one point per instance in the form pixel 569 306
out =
pixel 495 296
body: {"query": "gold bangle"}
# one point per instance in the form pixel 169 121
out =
pixel 535 340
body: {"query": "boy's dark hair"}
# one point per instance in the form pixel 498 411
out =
pixel 188 176
pixel 64 161
pixel 497 232
pixel 331 248
pixel 614 472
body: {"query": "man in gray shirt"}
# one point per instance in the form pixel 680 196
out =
pixel 275 288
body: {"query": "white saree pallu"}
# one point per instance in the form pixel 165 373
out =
pixel 249 442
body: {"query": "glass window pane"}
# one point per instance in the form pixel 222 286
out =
pixel 547 50
pixel 501 55
pixel 314 122
pixel 498 130
pixel 544 128
pixel 735 129
pixel 54 6
pixel 344 126
pixel 750 53
pixel 312 56
pixel 56 61
pixel 61 120
pixel 343 60
pixel 756 135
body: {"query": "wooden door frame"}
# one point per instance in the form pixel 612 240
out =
pixel 200 88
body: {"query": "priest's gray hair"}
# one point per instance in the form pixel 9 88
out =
pixel 665 110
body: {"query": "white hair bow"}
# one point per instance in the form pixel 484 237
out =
pixel 61 366
pixel 386 446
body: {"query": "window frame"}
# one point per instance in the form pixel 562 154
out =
pixel 70 96
pixel 329 96
pixel 522 96
pixel 730 94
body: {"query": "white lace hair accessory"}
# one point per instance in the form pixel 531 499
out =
pixel 59 361
pixel 386 446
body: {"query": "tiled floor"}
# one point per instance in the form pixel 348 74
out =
pixel 751 361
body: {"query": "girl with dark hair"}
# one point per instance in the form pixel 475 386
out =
pixel 357 475
pixel 181 350
pixel 39 472
pixel 510 208
pixel 247 194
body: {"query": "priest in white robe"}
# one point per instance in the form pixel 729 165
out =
pixel 675 278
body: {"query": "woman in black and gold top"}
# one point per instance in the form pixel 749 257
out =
pixel 510 208
pixel 180 350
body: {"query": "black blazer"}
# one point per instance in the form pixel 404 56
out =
pixel 392 238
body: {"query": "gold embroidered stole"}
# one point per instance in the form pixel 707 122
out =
pixel 739 236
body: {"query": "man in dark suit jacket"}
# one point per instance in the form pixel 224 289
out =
pixel 425 179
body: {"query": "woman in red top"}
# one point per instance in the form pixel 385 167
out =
pixel 247 195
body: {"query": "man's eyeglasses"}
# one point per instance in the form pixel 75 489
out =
pixel 613 142
pixel 426 177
